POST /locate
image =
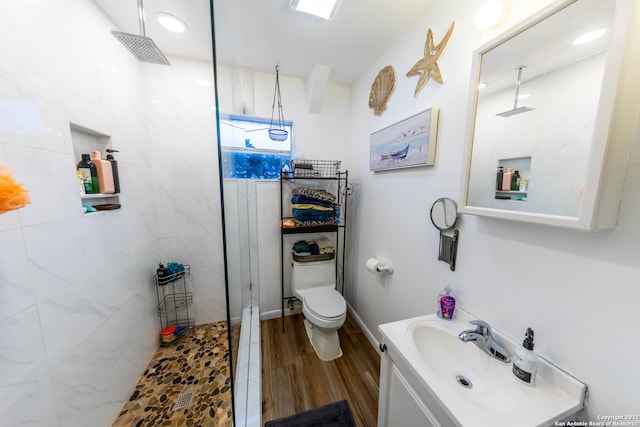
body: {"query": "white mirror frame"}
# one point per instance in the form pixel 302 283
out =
pixel 613 130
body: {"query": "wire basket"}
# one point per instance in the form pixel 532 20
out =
pixel 303 168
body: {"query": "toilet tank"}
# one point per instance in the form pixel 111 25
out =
pixel 307 275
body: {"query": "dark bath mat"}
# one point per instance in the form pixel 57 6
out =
pixel 336 414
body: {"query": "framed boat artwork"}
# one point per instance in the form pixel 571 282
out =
pixel 409 143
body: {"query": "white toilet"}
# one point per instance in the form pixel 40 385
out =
pixel 323 307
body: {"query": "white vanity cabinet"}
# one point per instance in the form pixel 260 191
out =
pixel 403 401
pixel 429 377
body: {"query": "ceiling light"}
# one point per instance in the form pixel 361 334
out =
pixel 322 8
pixel 172 23
pixel 490 14
pixel 524 96
pixel 481 85
pixel 590 36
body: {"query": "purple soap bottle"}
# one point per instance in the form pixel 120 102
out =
pixel 446 303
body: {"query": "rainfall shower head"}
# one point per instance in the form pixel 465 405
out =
pixel 516 110
pixel 142 47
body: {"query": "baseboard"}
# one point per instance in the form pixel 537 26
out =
pixel 273 314
pixel 367 333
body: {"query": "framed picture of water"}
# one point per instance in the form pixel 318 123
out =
pixel 409 143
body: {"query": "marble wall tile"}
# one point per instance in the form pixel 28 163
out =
pixel 73 314
pixel 61 253
pixel 136 185
pixel 22 413
pixel 52 183
pixel 82 373
pixel 22 356
pixel 111 394
pixel 210 301
pixel 16 291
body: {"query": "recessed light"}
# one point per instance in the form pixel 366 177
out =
pixel 172 23
pixel 590 36
pixel 481 85
pixel 322 8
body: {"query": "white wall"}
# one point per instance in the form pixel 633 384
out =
pixel 77 306
pixel 577 290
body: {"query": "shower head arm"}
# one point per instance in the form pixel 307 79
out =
pixel 141 18
pixel 518 81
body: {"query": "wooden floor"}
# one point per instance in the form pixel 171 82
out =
pixel 295 380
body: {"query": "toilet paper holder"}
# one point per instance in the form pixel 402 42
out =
pixel 375 265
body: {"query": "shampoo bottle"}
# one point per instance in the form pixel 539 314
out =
pixel 506 179
pixel 114 169
pixel 446 303
pixel 89 175
pixel 105 174
pixel 515 181
pixel 499 178
pixel 525 361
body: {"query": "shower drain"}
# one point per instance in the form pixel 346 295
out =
pixel 464 381
pixel 183 400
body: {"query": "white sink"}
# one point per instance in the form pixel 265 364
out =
pixel 473 387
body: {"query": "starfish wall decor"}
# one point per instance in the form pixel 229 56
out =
pixel 428 67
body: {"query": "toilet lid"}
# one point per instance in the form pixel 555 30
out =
pixel 325 302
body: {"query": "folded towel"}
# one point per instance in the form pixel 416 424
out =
pixel 314 249
pixel 313 223
pixel 323 242
pixel 307 199
pixel 316 194
pixel 313 215
pixel 301 246
pixel 312 206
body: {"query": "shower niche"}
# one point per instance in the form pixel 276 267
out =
pixel 85 141
pixel 518 188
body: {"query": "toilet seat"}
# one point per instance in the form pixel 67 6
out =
pixel 325 303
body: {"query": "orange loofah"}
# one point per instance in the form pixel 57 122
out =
pixel 12 195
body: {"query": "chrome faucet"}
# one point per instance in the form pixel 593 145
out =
pixel 482 337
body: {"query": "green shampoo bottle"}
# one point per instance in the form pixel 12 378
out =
pixel 89 175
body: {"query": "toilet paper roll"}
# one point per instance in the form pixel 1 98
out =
pixel 373 264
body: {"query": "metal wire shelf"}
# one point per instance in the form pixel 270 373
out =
pixel 303 168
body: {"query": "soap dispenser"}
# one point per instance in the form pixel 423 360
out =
pixel 114 169
pixel 525 361
pixel 446 303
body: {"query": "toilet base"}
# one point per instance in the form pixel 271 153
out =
pixel 325 343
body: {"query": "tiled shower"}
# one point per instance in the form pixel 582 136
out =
pixel 77 306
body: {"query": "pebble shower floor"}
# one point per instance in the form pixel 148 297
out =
pixel 186 384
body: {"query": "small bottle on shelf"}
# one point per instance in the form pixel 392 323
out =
pixel 515 181
pixel 89 175
pixel 499 177
pixel 114 169
pixel 105 174
pixel 506 179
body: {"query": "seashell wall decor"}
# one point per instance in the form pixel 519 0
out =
pixel 381 89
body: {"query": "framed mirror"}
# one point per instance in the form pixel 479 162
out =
pixel 542 103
